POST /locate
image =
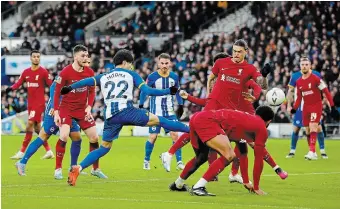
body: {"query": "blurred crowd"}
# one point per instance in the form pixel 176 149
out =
pixel 281 35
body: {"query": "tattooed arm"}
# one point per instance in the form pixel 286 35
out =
pixel 263 82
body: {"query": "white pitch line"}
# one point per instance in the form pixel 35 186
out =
pixel 156 201
pixel 145 180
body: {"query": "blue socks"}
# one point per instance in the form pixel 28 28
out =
pixel 148 150
pixel 94 156
pixel 295 137
pixel 75 150
pixel 321 140
pixel 173 125
pixel 178 154
pixel 32 148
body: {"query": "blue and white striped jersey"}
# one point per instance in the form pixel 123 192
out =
pixel 163 105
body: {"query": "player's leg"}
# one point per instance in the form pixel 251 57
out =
pixel 222 145
pixel 321 141
pixel 149 145
pixel 60 149
pixel 92 134
pixel 49 154
pixel 294 140
pixel 27 139
pixel 234 176
pixel 313 128
pixel 32 148
pixel 167 124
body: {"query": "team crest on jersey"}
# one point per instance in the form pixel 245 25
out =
pixel 52 129
pixel 153 128
pixel 171 83
pixel 58 80
pixel 240 71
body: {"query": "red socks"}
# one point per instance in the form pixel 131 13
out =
pixel 94 146
pixel 26 141
pixel 236 162
pixel 47 146
pixel 60 151
pixel 268 158
pixel 180 142
pixel 313 136
pixel 215 168
pixel 212 156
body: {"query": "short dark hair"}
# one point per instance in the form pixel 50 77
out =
pixel 220 55
pixel 164 56
pixel 122 55
pixel 265 112
pixel 241 43
pixel 34 51
pixel 79 48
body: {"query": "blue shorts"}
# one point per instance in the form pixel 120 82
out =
pixel 128 116
pixel 51 128
pixel 157 129
pixel 297 120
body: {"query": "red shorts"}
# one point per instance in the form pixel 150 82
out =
pixel 67 115
pixel 203 127
pixel 311 114
pixel 35 113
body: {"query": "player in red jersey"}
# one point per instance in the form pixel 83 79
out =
pixel 36 78
pixel 77 105
pixel 211 130
pixel 232 74
pixel 310 87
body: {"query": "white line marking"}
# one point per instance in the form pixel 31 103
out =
pixel 156 201
pixel 145 180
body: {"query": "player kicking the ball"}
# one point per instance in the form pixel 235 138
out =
pixel 117 89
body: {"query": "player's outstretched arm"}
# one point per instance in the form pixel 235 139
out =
pixel 334 111
pixel 92 81
pixel 158 92
pixel 198 101
pixel 256 88
pixel 290 97
pixel 142 99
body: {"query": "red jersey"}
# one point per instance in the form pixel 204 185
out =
pixel 239 125
pixel 310 89
pixel 245 105
pixel 77 99
pixel 36 81
pixel 231 79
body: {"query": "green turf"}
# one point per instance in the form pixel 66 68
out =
pixel 129 186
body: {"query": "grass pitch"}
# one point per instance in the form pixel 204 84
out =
pixel 310 185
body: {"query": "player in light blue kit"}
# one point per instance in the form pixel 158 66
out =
pixel 49 128
pixel 162 106
pixel 297 120
pixel 117 89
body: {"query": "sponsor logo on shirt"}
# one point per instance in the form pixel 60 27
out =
pixel 79 90
pixel 230 79
pixel 30 84
pixel 305 93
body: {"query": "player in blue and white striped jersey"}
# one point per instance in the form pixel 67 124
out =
pixel 117 89
pixel 162 106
